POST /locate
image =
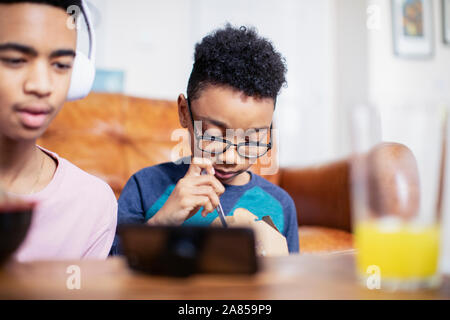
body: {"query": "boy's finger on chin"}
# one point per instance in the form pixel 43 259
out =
pixel 195 168
pixel 198 164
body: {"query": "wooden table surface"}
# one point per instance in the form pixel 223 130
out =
pixel 295 277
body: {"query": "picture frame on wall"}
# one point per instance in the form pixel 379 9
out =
pixel 446 21
pixel 412 27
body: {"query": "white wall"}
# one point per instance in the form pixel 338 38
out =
pixel 394 80
pixel 150 41
pixel 351 67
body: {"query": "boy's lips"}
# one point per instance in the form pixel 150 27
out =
pixel 33 116
pixel 225 175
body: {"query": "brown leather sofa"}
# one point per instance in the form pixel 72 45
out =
pixel 112 136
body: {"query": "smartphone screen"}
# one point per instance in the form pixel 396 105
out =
pixel 186 250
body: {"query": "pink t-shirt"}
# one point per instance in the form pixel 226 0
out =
pixel 75 217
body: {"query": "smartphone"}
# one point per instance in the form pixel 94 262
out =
pixel 185 250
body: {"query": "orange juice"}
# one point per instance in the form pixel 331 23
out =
pixel 401 252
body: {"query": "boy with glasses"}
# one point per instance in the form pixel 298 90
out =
pixel 232 91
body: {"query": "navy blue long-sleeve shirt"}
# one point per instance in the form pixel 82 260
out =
pixel 146 192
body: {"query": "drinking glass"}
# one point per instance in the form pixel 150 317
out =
pixel 397 181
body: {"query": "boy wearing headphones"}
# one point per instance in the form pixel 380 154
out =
pixel 231 96
pixel 75 213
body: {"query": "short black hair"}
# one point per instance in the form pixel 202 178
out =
pixel 239 58
pixel 63 4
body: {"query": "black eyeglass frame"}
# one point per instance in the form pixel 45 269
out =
pixel 229 144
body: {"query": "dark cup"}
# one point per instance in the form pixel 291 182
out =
pixel 15 221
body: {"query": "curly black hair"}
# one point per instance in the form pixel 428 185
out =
pixel 63 4
pixel 240 58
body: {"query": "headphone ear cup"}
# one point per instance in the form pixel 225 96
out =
pixel 83 75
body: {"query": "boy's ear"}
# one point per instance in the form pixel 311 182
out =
pixel 183 113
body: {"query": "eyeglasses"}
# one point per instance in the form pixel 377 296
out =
pixel 215 145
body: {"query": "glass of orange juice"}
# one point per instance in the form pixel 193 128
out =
pixel 397 182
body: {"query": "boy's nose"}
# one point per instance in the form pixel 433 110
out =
pixel 38 81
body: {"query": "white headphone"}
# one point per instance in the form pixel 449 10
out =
pixel 83 71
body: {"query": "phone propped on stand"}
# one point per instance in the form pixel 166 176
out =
pixel 185 250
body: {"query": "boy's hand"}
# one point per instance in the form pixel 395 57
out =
pixel 193 191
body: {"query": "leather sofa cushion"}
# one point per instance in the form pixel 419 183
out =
pixel 315 239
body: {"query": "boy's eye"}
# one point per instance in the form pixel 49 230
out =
pixel 13 62
pixel 212 136
pixel 62 66
pixel 213 133
pixel 260 137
